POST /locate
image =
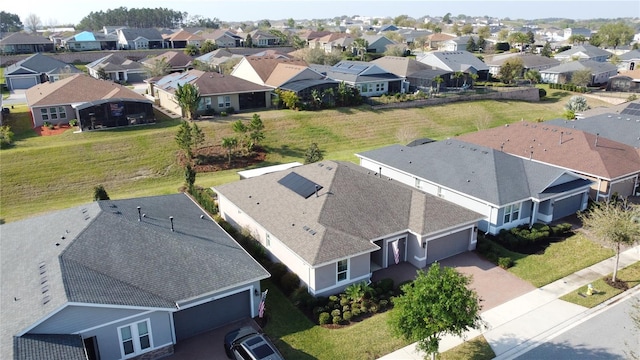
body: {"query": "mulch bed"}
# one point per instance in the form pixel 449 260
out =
pixel 215 158
pixel 56 130
pixel 618 284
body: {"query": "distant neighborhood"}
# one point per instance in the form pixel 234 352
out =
pixel 132 278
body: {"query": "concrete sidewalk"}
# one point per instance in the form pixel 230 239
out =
pixel 524 322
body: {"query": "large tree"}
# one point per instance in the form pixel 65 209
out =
pixel 582 77
pixel 616 34
pixel 188 97
pixel 159 67
pixel 437 303
pixel 32 23
pixel 10 22
pixel 511 70
pixel 614 221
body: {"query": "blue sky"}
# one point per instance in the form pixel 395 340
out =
pixel 72 11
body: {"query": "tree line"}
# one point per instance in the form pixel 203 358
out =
pixel 143 18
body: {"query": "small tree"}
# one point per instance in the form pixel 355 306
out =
pixel 435 304
pixel 577 104
pixel 313 154
pixel 511 70
pixel 191 50
pixel 188 97
pixel 249 41
pixel 159 67
pixel 189 176
pixel 533 76
pixel 6 136
pixel 184 139
pixel 229 143
pixel 241 129
pixel 207 47
pixel 255 130
pixel 546 50
pixel 99 193
pixel 614 221
pixel 582 77
pixel 438 79
pixel 102 74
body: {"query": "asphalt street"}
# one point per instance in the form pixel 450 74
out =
pixel 608 334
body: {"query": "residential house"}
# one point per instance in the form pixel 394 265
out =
pixel 336 223
pixel 418 76
pixel 629 60
pixel 457 43
pixel 37 69
pixel 303 81
pixel 569 32
pixel 310 35
pixel 216 58
pixel 561 74
pixel 622 125
pixel 332 42
pixel 118 69
pixel 223 38
pixel 626 81
pixel 120 279
pixel 529 62
pixel 181 38
pixel 218 92
pixel 457 61
pixel 261 38
pixel 257 69
pixel 583 52
pixel 436 41
pixel 94 103
pixel 507 190
pixel 410 36
pixel 377 43
pixel 139 39
pixel 23 43
pixel 177 60
pixel 87 40
pixel 612 166
pixel 370 79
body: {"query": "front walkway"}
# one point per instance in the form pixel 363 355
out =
pixel 526 321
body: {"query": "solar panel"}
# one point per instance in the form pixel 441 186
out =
pixel 299 184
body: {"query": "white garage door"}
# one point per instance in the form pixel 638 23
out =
pixel 447 246
pixel 21 83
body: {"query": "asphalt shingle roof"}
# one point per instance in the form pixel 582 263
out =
pixel 209 83
pixel 617 127
pixel 49 346
pixel 346 215
pixel 39 63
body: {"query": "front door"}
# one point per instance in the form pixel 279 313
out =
pixel 396 251
pixel 91 346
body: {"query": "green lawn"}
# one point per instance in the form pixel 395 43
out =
pixel 41 174
pixel 604 292
pixel 559 260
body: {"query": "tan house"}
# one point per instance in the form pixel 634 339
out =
pixel 257 69
pixel 612 166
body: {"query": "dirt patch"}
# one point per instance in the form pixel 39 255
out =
pixel 215 158
pixel 618 284
pixel 56 130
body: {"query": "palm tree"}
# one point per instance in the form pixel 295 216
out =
pixel 229 143
pixel 188 97
pixel 457 75
pixel 438 79
pixel 361 46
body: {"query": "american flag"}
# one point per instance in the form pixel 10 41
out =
pixel 396 251
pixel 262 305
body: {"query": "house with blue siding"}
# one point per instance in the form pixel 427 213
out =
pixel 117 279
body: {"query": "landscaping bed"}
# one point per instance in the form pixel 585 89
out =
pixel 604 289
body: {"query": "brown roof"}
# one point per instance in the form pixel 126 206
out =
pixel 79 88
pixel 440 37
pixel 571 149
pixel 311 34
pixel 264 65
pixel 282 73
pixel 634 74
pixel 173 58
pixel 332 37
pixel 183 35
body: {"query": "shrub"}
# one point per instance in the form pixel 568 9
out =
pixel 231 110
pixel 355 313
pixel 386 284
pixel 347 315
pixel 6 136
pixel 73 122
pixel 302 299
pixel 223 113
pixel 561 229
pixel 289 282
pixel 542 93
pixel 47 124
pixel 277 271
pixel 324 318
pixel 337 320
pixel 373 308
pixel 383 304
pixel 336 312
pixel 505 262
pixel 333 298
pixel 318 310
pixel 346 308
pixel 344 301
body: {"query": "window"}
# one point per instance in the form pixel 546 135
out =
pixel 53 112
pixel 134 338
pixel 343 269
pixel 62 112
pixel 205 103
pixel 45 114
pixel 224 101
pixel 511 213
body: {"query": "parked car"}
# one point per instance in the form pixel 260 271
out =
pixel 248 344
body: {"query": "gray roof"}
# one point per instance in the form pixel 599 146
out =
pixel 344 217
pixel 20 38
pixel 589 50
pixel 528 60
pixel 622 128
pixel 453 60
pixel 38 64
pixel 113 62
pixel 150 34
pixel 480 172
pixel 596 67
pixel 630 55
pixel 354 72
pixel 100 253
pixel 300 85
pixel 49 346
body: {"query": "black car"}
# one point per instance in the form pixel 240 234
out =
pixel 248 344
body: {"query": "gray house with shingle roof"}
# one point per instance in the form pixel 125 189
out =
pixel 369 78
pixel 118 279
pixel 507 190
pixel 335 223
pixel 139 39
pixel 37 69
pixel 561 74
pixel 118 69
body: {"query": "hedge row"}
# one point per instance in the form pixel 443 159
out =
pixel 569 87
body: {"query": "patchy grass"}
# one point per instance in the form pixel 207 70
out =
pixel 48 173
pixel 559 260
pixel 603 291
pixel 475 349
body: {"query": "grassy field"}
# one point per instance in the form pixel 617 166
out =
pixel 41 174
pixel 604 292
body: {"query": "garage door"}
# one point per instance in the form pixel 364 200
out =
pixel 211 315
pixel 447 246
pixel 566 207
pixel 21 83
